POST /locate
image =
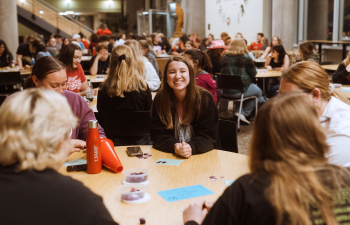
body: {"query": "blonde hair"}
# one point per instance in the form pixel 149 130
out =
pixel 289 147
pixel 346 61
pixel 309 75
pixel 237 47
pixel 33 124
pixel 123 75
pixel 265 40
pixel 138 56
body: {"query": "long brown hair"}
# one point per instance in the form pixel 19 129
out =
pixel 192 102
pixel 309 75
pixel 43 67
pixel 306 48
pixel 289 146
pixel 122 76
pixel 202 58
pixel 66 57
pixel 346 61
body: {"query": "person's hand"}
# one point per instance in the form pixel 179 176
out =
pixel 195 212
pixel 183 149
pixel 283 68
pixel 98 56
pixel 77 146
pixel 269 68
pixel 107 70
pixel 26 67
pixel 95 91
pixel 348 68
pixel 209 205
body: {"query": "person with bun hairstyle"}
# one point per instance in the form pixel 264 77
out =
pixel 307 52
pixel 38 49
pixel 342 74
pixel 311 78
pixel 274 41
pixel 184 117
pixel 50 73
pixel 291 181
pixel 124 90
pixel 203 69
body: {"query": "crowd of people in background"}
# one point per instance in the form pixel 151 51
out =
pixel 290 152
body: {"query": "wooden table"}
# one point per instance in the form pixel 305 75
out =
pixel 86 58
pixel 193 171
pixel 345 87
pixel 259 62
pixel 320 42
pixel 22 71
pixel 93 78
pixel 332 67
pixel 268 74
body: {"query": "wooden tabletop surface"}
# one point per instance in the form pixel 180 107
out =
pixel 268 73
pixel 23 72
pixel 332 67
pixel 157 210
pixel 86 58
pixel 329 42
pixel 345 88
pixel 94 79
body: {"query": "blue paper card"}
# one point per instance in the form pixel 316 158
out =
pixel 345 90
pixel 229 182
pixel 75 162
pixel 182 193
pixel 169 162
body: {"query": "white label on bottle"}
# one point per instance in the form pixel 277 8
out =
pixel 95 153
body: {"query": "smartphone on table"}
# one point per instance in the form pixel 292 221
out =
pixel 134 151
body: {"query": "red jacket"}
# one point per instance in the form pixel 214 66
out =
pixel 104 32
pixel 205 81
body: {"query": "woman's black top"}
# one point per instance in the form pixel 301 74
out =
pixel 159 44
pixel 6 59
pixel 216 64
pixel 205 129
pixel 273 64
pixel 244 202
pixel 341 76
pixel 46 197
pixel 102 65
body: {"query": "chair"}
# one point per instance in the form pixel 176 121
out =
pixel 218 95
pixel 125 123
pixel 7 82
pixel 227 81
pixel 228 135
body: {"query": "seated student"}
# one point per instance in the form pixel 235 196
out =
pixel 228 41
pixel 210 38
pixel 275 41
pixel 84 40
pixel 51 47
pixel 342 75
pixel 104 40
pixel 265 42
pixel 77 38
pixel 93 41
pixel 149 54
pixel 279 60
pixel 104 30
pixel 215 52
pixel 124 90
pixel 224 35
pixel 307 52
pixel 290 179
pixel 38 49
pixel 184 118
pixel 24 56
pixel 71 58
pixel 204 44
pixel 144 67
pixel 236 61
pixel 49 73
pixel 310 78
pixel 258 44
pixel 189 45
pixel 202 68
pixel 6 58
pixel 99 63
pixel 156 40
pixel 65 42
pixel 112 42
pixel 166 46
pixel 34 144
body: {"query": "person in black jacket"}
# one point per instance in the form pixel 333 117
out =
pixel 35 127
pixel 6 58
pixel 342 75
pixel 184 118
pixel 124 90
pixel 291 181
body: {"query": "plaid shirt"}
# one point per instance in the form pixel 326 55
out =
pixel 241 65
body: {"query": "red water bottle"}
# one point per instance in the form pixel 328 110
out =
pixel 93 51
pixel 93 149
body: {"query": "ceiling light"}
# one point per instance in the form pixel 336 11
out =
pixel 68 1
pixel 41 12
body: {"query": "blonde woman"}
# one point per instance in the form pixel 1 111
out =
pixel 342 75
pixel 275 41
pixel 144 67
pixel 310 78
pixel 124 90
pixel 236 61
pixel 34 143
pixel 291 181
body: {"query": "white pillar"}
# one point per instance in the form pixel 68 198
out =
pixel 317 20
pixel 194 17
pixel 9 25
pixel 283 22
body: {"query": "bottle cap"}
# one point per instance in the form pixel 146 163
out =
pixel 93 123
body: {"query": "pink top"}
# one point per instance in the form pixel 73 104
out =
pixel 205 81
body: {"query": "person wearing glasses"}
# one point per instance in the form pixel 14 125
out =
pixel 291 180
pixel 310 78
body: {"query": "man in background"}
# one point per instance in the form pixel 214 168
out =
pixel 51 47
pixel 24 55
pixel 258 44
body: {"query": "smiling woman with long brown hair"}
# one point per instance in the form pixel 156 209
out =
pixel 291 181
pixel 184 116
